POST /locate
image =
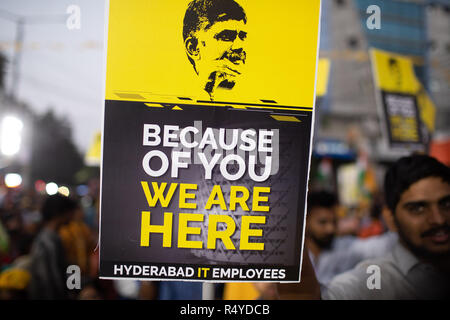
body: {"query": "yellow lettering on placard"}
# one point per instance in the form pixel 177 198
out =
pixel 246 232
pixel 185 195
pixel 242 201
pixel 239 195
pixel 224 235
pixel 184 230
pixel 216 191
pixel 158 193
pixel 257 198
pixel 165 229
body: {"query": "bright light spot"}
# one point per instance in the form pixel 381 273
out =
pixel 13 180
pixel 64 191
pixel 51 188
pixel 10 135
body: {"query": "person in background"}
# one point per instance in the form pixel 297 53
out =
pixel 48 262
pixel 331 255
pixel 321 222
pixel 328 253
pixel 417 192
pixel 78 241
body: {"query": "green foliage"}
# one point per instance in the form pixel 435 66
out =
pixel 54 155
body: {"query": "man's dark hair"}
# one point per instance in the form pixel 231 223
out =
pixel 57 205
pixel 323 199
pixel 204 13
pixel 407 171
pixel 210 11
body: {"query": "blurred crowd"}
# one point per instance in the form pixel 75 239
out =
pixel 41 235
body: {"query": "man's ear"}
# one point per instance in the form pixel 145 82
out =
pixel 388 217
pixel 192 50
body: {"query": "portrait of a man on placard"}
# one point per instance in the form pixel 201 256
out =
pixel 214 34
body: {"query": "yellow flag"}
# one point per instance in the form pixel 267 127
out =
pixel 323 74
pixel 93 156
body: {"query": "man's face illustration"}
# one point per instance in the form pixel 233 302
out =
pixel 221 54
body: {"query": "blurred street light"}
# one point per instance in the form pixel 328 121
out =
pixel 10 135
pixel 64 191
pixel 51 188
pixel 13 180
